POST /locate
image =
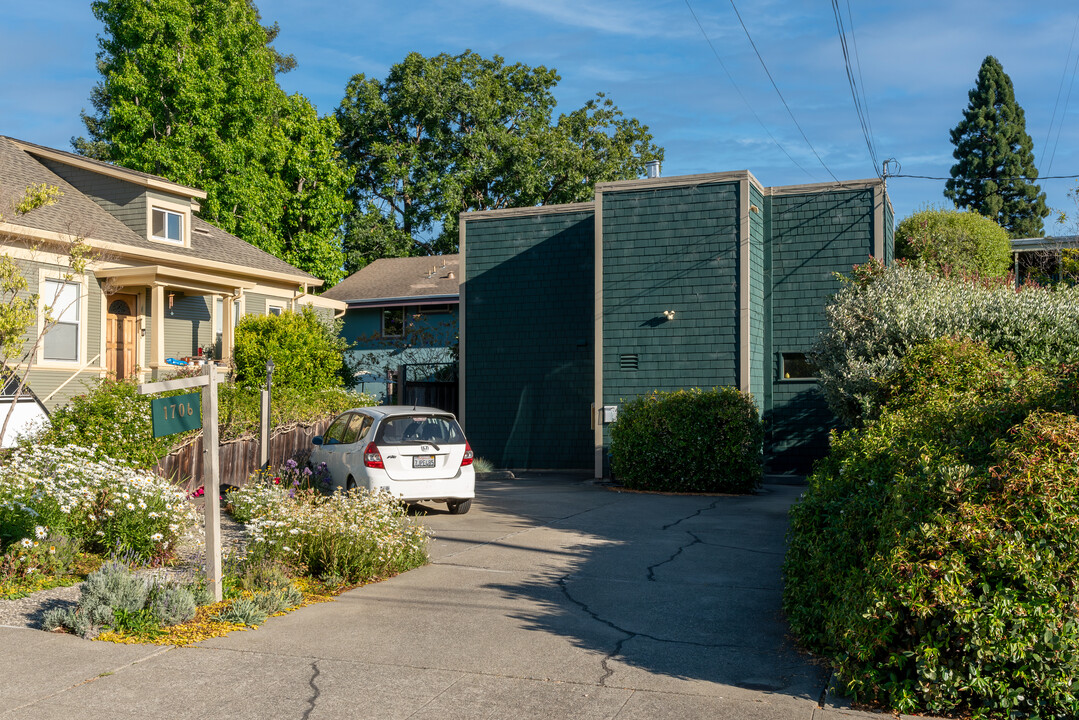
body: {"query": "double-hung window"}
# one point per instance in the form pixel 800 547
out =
pixel 61 302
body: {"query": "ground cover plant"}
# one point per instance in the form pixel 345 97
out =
pixel 881 313
pixel 689 441
pixel 356 536
pixel 934 557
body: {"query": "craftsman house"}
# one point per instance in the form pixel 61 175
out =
pixel 656 284
pixel 163 287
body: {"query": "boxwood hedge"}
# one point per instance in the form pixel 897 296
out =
pixel 689 441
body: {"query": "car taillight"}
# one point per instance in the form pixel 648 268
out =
pixel 467 458
pixel 372 458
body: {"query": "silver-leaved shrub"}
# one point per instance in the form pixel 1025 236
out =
pixel 881 313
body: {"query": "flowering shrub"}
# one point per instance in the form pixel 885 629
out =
pixel 881 313
pixel 104 504
pixel 933 555
pixel 355 535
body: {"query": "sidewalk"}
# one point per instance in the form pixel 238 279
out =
pixel 552 598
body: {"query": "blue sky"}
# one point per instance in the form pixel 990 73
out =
pixel 918 60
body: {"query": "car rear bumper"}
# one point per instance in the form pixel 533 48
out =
pixel 460 487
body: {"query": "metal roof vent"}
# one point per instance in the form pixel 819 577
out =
pixel 653 168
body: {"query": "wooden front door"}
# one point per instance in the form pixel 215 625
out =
pixel 121 331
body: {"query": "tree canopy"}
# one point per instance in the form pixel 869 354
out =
pixel 188 91
pixel 452 133
pixel 995 157
pixel 961 241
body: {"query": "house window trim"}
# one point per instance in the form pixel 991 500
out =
pixel 782 376
pixel 271 306
pixel 82 282
pixel 178 208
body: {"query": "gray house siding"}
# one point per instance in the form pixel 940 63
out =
pixel 124 200
pixel 527 339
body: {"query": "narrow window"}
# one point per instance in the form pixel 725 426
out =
pixel 61 300
pixel 393 322
pixel 274 309
pixel 168 226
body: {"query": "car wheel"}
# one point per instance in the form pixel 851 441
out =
pixel 459 507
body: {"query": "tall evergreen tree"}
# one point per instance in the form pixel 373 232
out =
pixel 189 92
pixel 995 157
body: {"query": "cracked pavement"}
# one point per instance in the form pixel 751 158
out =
pixel 552 598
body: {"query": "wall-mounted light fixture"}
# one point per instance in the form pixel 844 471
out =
pixel 669 314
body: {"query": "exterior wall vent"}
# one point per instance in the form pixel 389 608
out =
pixel 628 362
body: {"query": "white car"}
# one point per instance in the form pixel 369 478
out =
pixel 413 453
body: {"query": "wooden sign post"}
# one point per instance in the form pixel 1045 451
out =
pixel 211 482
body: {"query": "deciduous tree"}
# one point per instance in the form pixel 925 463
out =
pixel 188 91
pixel 451 133
pixel 955 240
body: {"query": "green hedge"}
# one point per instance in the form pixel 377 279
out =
pixel 307 351
pixel 689 441
pixel 934 557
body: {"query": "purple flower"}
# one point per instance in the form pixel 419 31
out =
pixel 292 493
pixel 291 464
pixel 307 472
pixel 295 483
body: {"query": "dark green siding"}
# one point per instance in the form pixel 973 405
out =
pixel 889 233
pixel 757 310
pixel 670 249
pixel 813 236
pixel 528 339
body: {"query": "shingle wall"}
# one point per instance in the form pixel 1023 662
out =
pixel 125 201
pixel 670 249
pixel 757 282
pixel 813 236
pixel 527 339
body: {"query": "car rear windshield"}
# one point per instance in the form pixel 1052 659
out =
pixel 411 429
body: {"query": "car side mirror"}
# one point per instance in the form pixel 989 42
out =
pixel 317 440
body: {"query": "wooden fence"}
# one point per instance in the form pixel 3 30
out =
pixel 239 459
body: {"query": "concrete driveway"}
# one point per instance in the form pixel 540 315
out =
pixel 552 598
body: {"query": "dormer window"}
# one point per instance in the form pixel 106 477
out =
pixel 167 226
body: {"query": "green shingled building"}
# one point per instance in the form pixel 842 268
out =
pixel 567 311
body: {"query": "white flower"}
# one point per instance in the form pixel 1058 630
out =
pixel 27 542
pixel 109 512
pixel 41 531
pixel 156 536
pixel 130 506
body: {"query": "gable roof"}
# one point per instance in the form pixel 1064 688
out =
pixel 432 278
pixel 77 214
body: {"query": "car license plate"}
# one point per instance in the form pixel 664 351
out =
pixel 423 461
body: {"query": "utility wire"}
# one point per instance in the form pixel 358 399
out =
pixel 1060 88
pixel 861 81
pixel 772 80
pixel 1043 177
pixel 860 105
pixel 739 91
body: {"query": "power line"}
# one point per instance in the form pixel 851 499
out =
pixel 776 87
pixel 1056 102
pixel 1029 179
pixel 739 91
pixel 860 104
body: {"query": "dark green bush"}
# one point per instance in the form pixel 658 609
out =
pixel 307 351
pixel 689 441
pixel 935 555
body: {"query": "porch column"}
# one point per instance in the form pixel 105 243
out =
pixel 157 329
pixel 228 315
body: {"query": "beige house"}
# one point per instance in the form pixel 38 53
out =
pixel 163 287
